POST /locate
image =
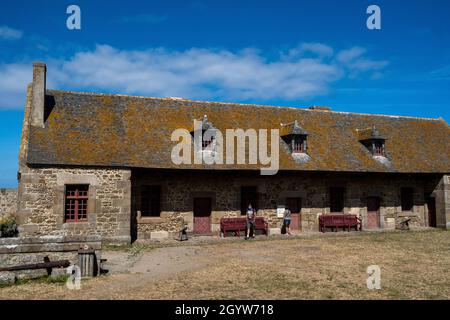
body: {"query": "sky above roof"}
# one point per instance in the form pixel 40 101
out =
pixel 293 53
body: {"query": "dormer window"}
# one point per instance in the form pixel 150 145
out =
pixel 299 144
pixel 207 137
pixel 373 141
pixel 207 143
pixel 379 148
pixel 295 137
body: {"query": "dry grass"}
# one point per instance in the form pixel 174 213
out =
pixel 414 265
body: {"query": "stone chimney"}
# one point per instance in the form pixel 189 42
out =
pixel 38 94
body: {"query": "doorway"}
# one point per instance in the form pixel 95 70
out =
pixel 431 204
pixel 295 205
pixel 202 215
pixel 373 213
pixel 249 195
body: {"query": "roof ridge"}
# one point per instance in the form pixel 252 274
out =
pixel 243 104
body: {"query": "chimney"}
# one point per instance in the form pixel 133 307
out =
pixel 321 108
pixel 38 94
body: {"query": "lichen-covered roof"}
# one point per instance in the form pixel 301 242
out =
pixel 369 134
pixel 292 128
pixel 115 130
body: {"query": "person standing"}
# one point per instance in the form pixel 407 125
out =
pixel 287 220
pixel 250 217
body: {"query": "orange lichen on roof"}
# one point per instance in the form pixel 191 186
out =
pixel 126 131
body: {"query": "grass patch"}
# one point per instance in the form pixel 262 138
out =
pixel 413 264
pixel 39 280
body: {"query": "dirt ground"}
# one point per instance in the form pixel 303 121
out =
pixel 414 265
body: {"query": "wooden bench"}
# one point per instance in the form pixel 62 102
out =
pixel 237 225
pixel 336 221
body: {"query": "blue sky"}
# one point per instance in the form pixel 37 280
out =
pixel 293 53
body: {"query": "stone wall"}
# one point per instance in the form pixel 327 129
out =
pixel 8 202
pixel 442 195
pixel 114 199
pixel 31 250
pixel 181 187
pixel 42 196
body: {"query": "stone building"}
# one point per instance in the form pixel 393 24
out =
pixel 8 202
pixel 100 164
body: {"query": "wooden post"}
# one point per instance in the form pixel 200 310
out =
pixel 87 261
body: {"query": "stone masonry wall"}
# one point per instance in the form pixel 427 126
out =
pixel 114 199
pixel 8 202
pixel 41 203
pixel 180 188
pixel 442 195
pixel 31 250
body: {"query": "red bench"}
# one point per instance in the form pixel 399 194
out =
pixel 336 221
pixel 237 225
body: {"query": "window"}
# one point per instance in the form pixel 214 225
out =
pixel 337 199
pixel 298 145
pixel 151 201
pixel 294 136
pixel 407 199
pixel 76 202
pixel 207 144
pixel 372 140
pixel 379 148
pixel 248 196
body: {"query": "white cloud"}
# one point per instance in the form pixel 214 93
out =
pixel 320 50
pixel 13 85
pixel 8 33
pixel 355 63
pixel 195 73
pixel 348 55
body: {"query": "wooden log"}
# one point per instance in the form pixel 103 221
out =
pixel 34 266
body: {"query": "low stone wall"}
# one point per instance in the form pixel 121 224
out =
pixel 8 202
pixel 30 250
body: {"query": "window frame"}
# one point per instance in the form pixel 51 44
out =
pixel 77 198
pixel 207 145
pixel 378 148
pixel 298 141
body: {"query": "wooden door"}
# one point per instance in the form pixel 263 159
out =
pixel 373 213
pixel 249 195
pixel 295 205
pixel 431 204
pixel 202 215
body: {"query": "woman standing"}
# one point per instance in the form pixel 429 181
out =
pixel 287 220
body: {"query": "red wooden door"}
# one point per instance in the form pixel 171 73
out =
pixel 202 215
pixel 431 204
pixel 373 213
pixel 295 205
